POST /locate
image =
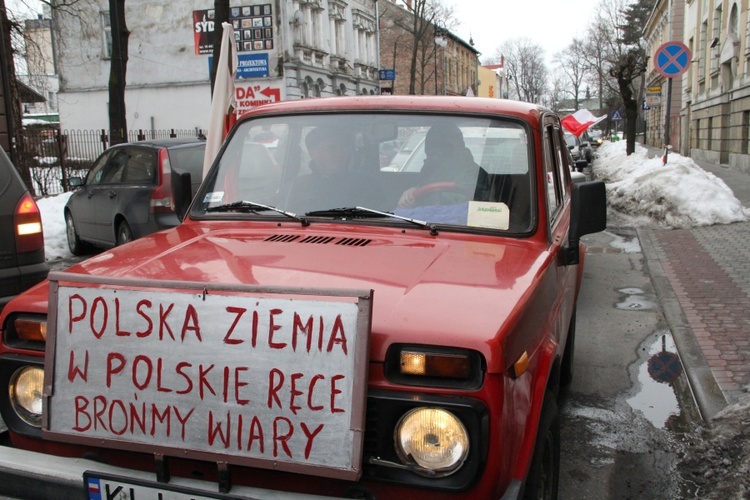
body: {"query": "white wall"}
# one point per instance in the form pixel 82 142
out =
pixel 167 80
pixel 174 107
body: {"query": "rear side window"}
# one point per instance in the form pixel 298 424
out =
pixel 188 160
pixel 140 167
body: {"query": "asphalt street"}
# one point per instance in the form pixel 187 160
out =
pixel 662 346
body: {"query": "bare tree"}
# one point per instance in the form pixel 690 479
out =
pixel 617 32
pixel 574 68
pixel 524 61
pixel 427 16
pixel 118 123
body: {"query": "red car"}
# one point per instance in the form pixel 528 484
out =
pixel 319 323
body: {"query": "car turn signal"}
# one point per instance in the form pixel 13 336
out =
pixel 435 364
pixel 32 330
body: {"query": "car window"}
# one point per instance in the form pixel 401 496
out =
pixel 553 158
pixel 97 170
pixel 463 172
pixel 113 170
pixel 189 159
pixel 140 166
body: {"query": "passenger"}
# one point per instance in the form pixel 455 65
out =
pixel 447 160
pixel 332 183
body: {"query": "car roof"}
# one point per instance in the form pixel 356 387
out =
pixel 164 143
pixel 394 104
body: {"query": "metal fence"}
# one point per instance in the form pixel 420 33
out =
pixel 52 156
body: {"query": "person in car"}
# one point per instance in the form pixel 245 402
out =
pixel 449 174
pixel 333 181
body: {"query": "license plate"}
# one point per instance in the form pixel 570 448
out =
pixel 108 487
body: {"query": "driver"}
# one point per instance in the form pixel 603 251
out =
pixel 447 160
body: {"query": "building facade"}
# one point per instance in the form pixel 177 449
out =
pixel 287 49
pixel 716 90
pixel 41 71
pixel 446 65
pixel 665 24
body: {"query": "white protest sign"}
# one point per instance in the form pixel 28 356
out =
pixel 255 377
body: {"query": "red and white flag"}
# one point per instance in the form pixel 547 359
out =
pixel 223 115
pixel 578 122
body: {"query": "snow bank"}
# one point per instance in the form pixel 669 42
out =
pixel 680 194
pixel 53 225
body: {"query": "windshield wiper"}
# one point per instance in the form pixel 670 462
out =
pixel 355 211
pixel 251 206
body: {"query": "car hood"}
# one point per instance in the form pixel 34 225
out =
pixel 451 289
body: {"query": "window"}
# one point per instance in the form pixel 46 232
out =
pixel 106 35
pixel 705 42
pixel 552 177
pixel 461 172
pixel 715 39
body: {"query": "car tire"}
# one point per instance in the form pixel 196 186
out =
pixel 75 245
pixel 544 474
pixel 124 234
pixel 566 367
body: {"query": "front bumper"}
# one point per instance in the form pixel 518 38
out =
pixel 31 475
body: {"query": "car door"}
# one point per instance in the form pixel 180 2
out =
pixel 81 203
pixel 558 219
pixel 130 199
pixel 104 195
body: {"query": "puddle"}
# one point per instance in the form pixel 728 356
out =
pixel 659 375
pixel 625 245
pixel 635 298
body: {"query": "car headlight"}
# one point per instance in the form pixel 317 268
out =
pixel 26 389
pixel 433 439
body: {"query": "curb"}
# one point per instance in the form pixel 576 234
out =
pixel 706 391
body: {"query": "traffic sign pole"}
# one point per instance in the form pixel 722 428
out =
pixel 666 121
pixel 670 60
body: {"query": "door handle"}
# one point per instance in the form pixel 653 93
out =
pixel 112 194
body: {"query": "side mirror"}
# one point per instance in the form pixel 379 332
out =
pixel 588 214
pixel 75 182
pixel 182 194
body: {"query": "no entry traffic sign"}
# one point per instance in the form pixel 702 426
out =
pixel 672 59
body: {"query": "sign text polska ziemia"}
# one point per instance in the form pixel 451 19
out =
pixel 262 377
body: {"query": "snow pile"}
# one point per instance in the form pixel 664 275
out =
pixel 53 225
pixel 645 192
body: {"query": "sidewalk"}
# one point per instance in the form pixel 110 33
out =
pixel 702 278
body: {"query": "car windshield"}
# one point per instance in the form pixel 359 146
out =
pixel 448 171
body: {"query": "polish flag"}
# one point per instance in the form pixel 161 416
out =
pixel 578 122
pixel 222 116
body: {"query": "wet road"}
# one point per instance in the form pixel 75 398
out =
pixel 626 415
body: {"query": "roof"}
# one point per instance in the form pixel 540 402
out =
pixel 28 94
pixel 402 103
pixel 165 143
